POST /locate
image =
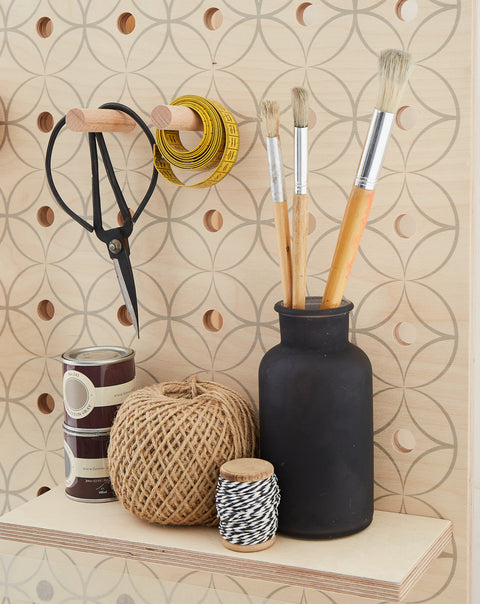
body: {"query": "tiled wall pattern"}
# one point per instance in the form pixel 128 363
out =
pixel 410 282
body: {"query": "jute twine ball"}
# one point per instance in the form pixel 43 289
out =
pixel 167 444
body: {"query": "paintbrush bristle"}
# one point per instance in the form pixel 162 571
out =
pixel 300 107
pixel 271 118
pixel 394 68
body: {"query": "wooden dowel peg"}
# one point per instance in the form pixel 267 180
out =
pixel 98 120
pixel 176 117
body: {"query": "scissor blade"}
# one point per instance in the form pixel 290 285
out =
pixel 127 287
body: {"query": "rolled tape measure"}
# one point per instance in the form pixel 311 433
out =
pixel 217 150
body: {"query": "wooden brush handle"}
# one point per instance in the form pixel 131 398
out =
pixel 348 242
pixel 299 249
pixel 284 253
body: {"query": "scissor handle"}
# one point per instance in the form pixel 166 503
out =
pixel 151 138
pixel 98 137
pixel 48 169
pixel 126 228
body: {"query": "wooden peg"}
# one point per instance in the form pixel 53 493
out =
pixel 98 120
pixel 176 117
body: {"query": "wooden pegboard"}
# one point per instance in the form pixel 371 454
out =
pixel 410 283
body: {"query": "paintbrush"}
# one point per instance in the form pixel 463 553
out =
pixel 394 69
pixel 300 198
pixel 271 118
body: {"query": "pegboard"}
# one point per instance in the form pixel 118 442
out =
pixel 199 255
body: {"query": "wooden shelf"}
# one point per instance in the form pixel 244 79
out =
pixel 384 561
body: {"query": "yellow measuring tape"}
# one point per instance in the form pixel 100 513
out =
pixel 217 150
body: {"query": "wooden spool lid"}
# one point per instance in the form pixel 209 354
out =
pixel 246 469
pixel 254 547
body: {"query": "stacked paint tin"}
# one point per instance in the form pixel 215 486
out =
pixel 96 381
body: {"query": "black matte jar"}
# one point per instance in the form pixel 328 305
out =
pixel 316 423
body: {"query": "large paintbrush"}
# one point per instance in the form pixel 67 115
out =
pixel 271 117
pixel 300 198
pixel 394 70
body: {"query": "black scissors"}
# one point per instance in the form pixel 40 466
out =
pixel 116 239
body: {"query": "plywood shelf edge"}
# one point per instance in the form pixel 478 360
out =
pixel 383 562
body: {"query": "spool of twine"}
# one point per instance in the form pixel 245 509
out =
pixel 247 499
pixel 167 444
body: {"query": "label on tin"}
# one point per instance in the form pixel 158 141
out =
pixel 79 467
pixel 80 395
pixel 69 465
pixel 113 395
pixel 91 468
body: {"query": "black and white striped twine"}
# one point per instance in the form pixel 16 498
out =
pixel 247 510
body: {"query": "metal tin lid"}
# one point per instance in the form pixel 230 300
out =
pixel 86 431
pixel 97 355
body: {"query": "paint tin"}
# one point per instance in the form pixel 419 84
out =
pixel 86 465
pixel 96 381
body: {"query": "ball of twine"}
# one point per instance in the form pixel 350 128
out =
pixel 167 444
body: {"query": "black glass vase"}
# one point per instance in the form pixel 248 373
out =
pixel 316 423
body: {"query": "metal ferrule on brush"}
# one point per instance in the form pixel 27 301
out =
pixel 277 185
pixel 374 149
pixel 300 157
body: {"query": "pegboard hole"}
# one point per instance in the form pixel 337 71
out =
pixel 405 226
pixel 42 490
pixel 406 118
pixel 404 441
pixel 213 18
pixel 212 320
pixel 45 403
pixel 46 310
pixel 120 220
pixel 45 216
pixel 213 221
pixel 123 316
pixel 126 23
pixel 311 223
pixel 44 27
pixel 307 14
pixel 45 121
pixel 405 333
pixel 45 590
pixel 406 10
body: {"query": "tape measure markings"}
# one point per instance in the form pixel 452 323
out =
pixel 217 150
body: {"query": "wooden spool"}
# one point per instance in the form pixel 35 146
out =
pixel 247 469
